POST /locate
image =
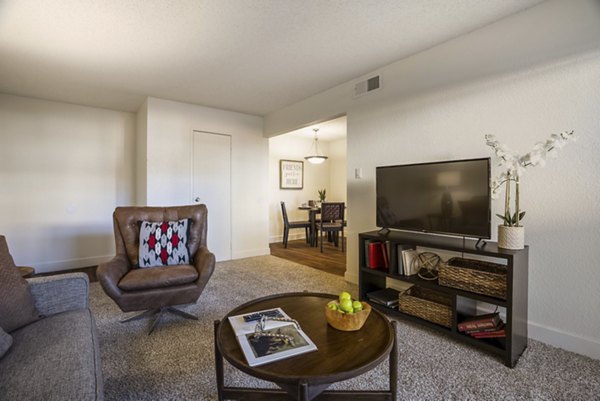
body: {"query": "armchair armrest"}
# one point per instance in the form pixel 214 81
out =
pixel 60 293
pixel 204 262
pixel 110 273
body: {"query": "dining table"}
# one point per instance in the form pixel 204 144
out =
pixel 313 211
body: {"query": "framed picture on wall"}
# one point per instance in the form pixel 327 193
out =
pixel 291 174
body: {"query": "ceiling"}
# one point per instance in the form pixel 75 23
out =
pixel 331 130
pixel 251 56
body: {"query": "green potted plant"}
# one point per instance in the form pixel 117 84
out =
pixel 511 234
pixel 322 194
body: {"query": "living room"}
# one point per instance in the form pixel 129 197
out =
pixel 68 160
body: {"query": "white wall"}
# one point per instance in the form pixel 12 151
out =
pixel 168 175
pixel 549 31
pixel 63 169
pixel 561 199
pixel 330 175
pixel 336 191
pixel 413 120
pixel 141 152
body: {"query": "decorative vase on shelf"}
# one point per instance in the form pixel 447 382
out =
pixel 511 237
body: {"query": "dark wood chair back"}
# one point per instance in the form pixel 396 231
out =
pixel 332 220
pixel 287 225
pixel 286 221
pixel 332 211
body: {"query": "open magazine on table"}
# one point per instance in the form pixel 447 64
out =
pixel 277 340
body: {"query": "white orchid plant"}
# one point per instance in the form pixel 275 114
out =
pixel 514 167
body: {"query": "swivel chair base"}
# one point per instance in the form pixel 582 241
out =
pixel 156 315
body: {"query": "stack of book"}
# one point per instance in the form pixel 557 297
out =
pixel 483 326
pixel 409 265
pixel 386 297
pixel 377 255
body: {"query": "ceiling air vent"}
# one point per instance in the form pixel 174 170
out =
pixel 368 85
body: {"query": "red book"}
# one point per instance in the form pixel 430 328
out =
pixel 480 322
pixel 375 255
pixel 499 327
pixel 384 254
pixel 489 334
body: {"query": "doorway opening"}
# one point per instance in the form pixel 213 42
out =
pixel 331 175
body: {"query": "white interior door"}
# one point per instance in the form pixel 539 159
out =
pixel 211 185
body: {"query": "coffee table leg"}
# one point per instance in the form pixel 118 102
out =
pixel 394 363
pixel 218 365
pixel 303 391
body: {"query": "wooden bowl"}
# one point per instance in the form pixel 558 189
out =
pixel 347 321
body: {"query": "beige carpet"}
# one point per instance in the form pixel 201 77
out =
pixel 176 362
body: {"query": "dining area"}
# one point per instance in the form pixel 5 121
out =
pixel 325 218
pixel 309 231
pixel 304 244
pixel 308 173
pixel 325 221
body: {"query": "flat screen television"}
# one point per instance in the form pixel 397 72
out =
pixel 447 197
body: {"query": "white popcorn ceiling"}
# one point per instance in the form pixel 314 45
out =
pixel 251 56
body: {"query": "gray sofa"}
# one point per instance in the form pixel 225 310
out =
pixel 56 357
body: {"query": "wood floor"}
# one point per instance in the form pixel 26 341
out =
pixel 332 260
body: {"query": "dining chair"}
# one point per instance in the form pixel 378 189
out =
pixel 332 221
pixel 287 225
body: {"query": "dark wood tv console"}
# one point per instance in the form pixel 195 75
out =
pixel 510 348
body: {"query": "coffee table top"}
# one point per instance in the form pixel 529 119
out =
pixel 341 355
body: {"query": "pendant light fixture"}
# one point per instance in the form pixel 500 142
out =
pixel 315 156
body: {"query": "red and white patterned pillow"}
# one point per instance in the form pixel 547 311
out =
pixel 164 243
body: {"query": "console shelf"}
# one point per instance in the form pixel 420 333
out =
pixel 509 348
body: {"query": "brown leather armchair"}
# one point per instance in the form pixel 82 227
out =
pixel 156 289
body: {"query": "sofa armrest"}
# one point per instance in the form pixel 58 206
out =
pixel 60 293
pixel 204 262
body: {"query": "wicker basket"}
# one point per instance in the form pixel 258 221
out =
pixel 475 276
pixel 427 304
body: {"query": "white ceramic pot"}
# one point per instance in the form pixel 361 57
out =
pixel 511 237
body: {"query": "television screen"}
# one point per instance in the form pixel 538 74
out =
pixel 449 197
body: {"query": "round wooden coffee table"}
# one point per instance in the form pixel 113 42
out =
pixel 340 356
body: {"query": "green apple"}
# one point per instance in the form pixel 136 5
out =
pixel 345 295
pixel 357 306
pixel 346 305
pixel 332 306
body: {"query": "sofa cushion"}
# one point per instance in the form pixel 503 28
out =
pixel 5 342
pixel 158 277
pixel 55 358
pixel 164 243
pixel 17 306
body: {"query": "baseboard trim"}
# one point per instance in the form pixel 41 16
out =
pixel 291 237
pixel 251 253
pixel 69 264
pixel 351 277
pixel 565 340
